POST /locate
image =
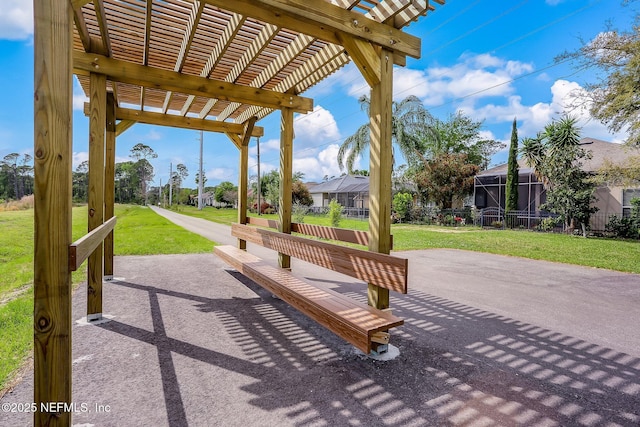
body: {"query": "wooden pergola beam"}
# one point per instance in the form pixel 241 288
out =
pixel 323 20
pixel 231 30
pixel 130 117
pixel 365 57
pixel 263 39
pixel 123 126
pixel 284 58
pixel 126 72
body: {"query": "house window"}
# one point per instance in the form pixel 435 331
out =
pixel 627 196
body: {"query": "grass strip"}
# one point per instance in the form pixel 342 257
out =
pixel 612 254
pixel 139 231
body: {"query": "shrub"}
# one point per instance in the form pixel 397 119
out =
pixel 299 211
pixel 335 213
pixel 626 228
pixel 496 224
pixel 548 224
pixel 402 206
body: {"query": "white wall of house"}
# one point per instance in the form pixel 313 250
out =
pixel 317 199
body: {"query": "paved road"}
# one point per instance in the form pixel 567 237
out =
pixel 596 305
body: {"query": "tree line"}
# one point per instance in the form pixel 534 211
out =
pixel 16 176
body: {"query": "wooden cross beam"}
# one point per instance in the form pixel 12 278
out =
pixel 127 72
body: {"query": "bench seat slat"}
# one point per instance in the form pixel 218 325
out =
pixel 351 320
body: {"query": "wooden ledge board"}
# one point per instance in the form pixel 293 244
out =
pixel 83 247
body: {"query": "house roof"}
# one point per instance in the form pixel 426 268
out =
pixel 602 151
pixel 343 184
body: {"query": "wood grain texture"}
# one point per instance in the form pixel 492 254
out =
pixel 323 20
pixel 182 122
pixel 286 179
pixel 380 168
pixel 385 271
pixel 357 237
pixel 109 181
pixel 53 92
pixel 127 72
pixel 97 135
pixel 352 321
pixel 84 246
pixel 263 222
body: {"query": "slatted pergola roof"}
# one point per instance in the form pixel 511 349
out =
pixel 228 60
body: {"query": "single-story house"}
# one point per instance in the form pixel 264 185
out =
pixel 490 185
pixel 351 191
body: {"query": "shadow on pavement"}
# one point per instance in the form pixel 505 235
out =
pixel 458 365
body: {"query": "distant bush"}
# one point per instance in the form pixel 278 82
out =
pixel 548 224
pixel 25 203
pixel 402 207
pixel 299 211
pixel 335 213
pixel 626 227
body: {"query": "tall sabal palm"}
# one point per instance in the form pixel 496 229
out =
pixel 410 124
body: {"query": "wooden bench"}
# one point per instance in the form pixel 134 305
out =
pixel 355 322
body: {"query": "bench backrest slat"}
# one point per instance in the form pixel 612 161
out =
pixel 358 237
pixel 382 270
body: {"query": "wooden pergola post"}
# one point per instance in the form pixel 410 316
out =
pixel 286 175
pixel 380 167
pixel 242 143
pixel 243 184
pixel 109 182
pixel 97 128
pixel 53 92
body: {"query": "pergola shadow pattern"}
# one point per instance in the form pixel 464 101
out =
pixel 193 343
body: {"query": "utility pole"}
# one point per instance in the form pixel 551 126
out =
pixel 160 192
pixel 259 186
pixel 170 183
pixel 200 177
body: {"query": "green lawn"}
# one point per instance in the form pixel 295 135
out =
pixel 139 231
pixel 611 254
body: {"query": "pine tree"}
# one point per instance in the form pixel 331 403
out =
pixel 512 172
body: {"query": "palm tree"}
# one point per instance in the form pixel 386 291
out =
pixel 410 124
pixel 533 151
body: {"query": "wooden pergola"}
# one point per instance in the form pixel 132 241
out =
pixel 209 65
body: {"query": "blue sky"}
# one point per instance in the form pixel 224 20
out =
pixel 494 60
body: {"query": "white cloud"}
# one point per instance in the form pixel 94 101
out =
pixel 474 77
pixel 16 19
pixel 79 157
pixel 566 97
pixel 79 98
pixel 265 147
pixel 315 129
pixel 153 135
pixel 222 174
pixel 325 163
